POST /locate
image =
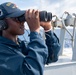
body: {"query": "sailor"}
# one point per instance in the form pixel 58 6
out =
pixel 17 58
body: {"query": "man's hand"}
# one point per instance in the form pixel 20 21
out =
pixel 32 19
pixel 46 25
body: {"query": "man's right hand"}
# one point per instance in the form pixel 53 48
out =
pixel 32 19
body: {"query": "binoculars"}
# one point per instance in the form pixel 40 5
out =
pixel 44 16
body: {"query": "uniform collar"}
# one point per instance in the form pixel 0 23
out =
pixel 8 41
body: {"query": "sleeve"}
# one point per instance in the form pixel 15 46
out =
pixel 53 45
pixel 37 55
pixel 13 62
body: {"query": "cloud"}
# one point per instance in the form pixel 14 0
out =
pixel 58 7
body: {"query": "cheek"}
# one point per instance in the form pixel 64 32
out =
pixel 13 27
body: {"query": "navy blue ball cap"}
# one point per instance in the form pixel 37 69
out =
pixel 9 9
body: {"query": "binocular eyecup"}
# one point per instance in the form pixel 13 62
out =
pixel 44 16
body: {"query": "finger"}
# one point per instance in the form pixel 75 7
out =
pixel 29 14
pixel 26 14
pixel 33 13
pixel 37 14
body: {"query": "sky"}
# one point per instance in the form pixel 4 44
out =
pixel 56 7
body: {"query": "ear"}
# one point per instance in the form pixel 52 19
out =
pixel 3 25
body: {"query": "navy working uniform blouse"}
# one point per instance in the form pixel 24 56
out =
pixel 28 59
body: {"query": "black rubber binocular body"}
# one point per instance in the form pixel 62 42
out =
pixel 44 16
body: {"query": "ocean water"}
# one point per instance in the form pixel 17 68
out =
pixel 67 41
